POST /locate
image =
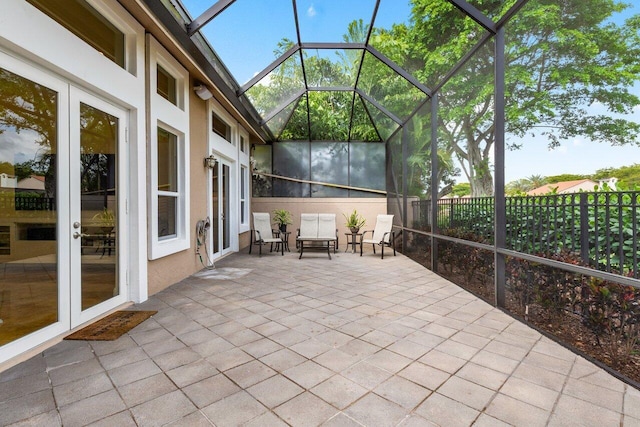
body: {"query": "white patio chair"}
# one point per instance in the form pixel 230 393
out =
pixel 382 235
pixel 262 232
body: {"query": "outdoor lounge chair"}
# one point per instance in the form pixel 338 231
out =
pixel 382 234
pixel 262 232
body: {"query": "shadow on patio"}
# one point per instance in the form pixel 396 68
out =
pixel 272 340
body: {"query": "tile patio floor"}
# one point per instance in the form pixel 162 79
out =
pixel 276 341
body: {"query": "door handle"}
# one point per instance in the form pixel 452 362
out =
pixel 77 235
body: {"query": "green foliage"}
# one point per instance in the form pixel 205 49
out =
pixel 609 310
pixel 557 65
pixel 354 220
pixel 282 217
pixel 552 223
pixel 461 189
pixel 565 177
pixel 628 176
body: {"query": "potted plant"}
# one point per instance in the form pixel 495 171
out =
pixel 105 220
pixel 355 221
pixel 282 217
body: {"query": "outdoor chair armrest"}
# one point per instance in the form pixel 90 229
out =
pixel 364 233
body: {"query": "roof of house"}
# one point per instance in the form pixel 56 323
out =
pixel 560 187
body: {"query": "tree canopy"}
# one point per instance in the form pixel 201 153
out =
pixel 562 57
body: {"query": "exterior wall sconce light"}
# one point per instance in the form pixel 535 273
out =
pixel 210 161
pixel 203 92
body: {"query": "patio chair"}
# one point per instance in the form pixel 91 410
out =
pixel 262 233
pixel 382 235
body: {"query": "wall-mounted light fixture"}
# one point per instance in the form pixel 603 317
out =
pixel 203 92
pixel 210 161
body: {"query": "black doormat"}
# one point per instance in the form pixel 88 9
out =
pixel 111 327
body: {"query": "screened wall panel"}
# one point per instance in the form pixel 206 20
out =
pixel 366 168
pixel 291 159
pixel 329 163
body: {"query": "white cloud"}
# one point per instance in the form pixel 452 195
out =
pixel 311 12
pixel 577 142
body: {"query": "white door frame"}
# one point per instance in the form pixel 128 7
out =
pixel 78 316
pixel 220 215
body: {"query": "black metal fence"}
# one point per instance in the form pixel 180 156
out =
pixel 9 202
pixel 601 228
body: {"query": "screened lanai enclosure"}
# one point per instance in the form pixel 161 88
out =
pixel 402 99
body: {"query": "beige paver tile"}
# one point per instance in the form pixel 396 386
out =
pixel 267 419
pixel 495 362
pixel 176 358
pixel 27 406
pixel 402 391
pixel 632 402
pixel 229 359
pixel 530 393
pixel 389 361
pixel 194 419
pixel 283 359
pixel 250 373
pixel 341 420
pixel 516 412
pixel 426 376
pixel 485 420
pixel 210 390
pixel 24 385
pixel 359 348
pixel 310 348
pixel 366 374
pixel 442 361
pixel 443 411
pixel 466 392
pixel 121 419
pixel 261 347
pixel 334 338
pixel 92 409
pixel 234 410
pixel 571 412
pixel 549 363
pixel 274 391
pixel 537 375
pixel 308 374
pixel 69 373
pixel 339 391
pixel 599 396
pixel 193 372
pixel 305 410
pixel 409 348
pixel 337 360
pixel 133 372
pixel 374 410
pixel 146 389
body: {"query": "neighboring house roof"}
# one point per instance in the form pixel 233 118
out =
pixel 564 187
pixel 34 182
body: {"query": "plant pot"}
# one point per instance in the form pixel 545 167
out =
pixel 354 230
pixel 283 228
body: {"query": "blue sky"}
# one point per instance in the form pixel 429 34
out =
pixel 246 52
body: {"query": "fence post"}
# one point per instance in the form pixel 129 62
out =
pixel 584 228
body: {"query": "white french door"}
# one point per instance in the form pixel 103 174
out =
pixel 62 207
pixel 221 208
pixel 97 206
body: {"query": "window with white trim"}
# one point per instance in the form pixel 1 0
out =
pixel 168 84
pixel 222 128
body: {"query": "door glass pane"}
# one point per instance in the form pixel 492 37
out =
pixel 226 235
pixel 98 166
pixel 215 235
pixel 28 214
